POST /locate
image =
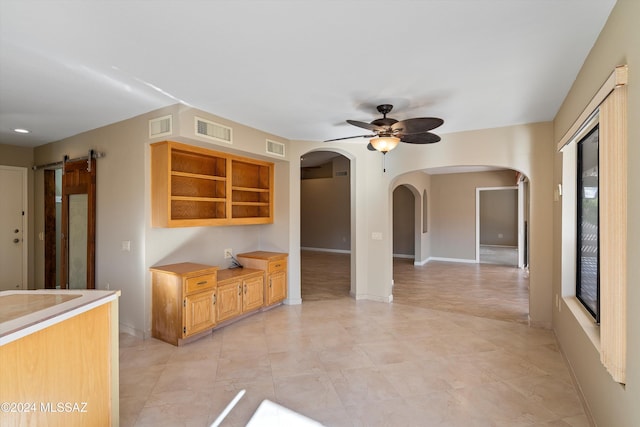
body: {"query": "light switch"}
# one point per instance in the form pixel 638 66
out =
pixel 126 246
pixel 376 235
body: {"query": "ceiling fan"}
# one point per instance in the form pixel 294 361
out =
pixel 388 132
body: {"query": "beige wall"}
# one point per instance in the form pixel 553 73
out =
pixel 404 218
pixel 524 148
pixel 610 403
pixel 12 155
pixel 454 211
pixel 499 217
pixel 419 184
pixel 325 215
pixel 123 209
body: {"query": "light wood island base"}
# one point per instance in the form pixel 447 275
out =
pixel 59 353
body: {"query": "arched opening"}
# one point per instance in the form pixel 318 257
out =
pixel 325 225
pixel 404 218
pixel 446 273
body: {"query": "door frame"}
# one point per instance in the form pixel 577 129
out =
pixel 25 216
pixel 519 219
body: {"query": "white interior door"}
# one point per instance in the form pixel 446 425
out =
pixel 12 228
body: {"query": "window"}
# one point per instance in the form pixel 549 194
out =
pixel 594 221
pixel 588 236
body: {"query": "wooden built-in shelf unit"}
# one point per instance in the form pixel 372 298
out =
pixel 194 186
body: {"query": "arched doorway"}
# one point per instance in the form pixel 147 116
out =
pixel 446 274
pixel 325 225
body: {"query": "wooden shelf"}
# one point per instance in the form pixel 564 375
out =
pixel 194 186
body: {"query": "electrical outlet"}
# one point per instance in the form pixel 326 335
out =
pixel 228 253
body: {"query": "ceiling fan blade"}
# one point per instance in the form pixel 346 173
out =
pixel 349 137
pixel 365 125
pixel 370 147
pixel 420 138
pixel 417 125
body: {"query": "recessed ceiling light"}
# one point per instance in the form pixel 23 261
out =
pixel 19 130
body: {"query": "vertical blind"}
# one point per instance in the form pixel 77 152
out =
pixel 613 233
pixel 611 103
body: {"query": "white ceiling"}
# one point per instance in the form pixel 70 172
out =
pixel 297 69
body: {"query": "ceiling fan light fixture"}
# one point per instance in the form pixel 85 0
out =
pixel 384 144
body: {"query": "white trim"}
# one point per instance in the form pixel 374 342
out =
pixel 478 190
pixel 338 251
pixel 463 260
pixel 405 256
pixel 521 220
pixel 375 298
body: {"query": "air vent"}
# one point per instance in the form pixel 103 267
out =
pixel 162 126
pixel 275 148
pixel 342 173
pixel 215 131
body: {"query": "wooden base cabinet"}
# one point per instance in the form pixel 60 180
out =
pixel 184 298
pixel 240 290
pixel 274 267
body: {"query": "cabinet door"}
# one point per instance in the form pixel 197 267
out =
pixel 277 290
pixel 229 300
pixel 253 297
pixel 199 312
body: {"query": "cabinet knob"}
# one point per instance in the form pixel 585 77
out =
pixel 239 289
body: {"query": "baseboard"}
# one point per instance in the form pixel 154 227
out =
pixel 539 325
pixel 403 256
pixel 576 384
pixel 463 260
pixel 375 298
pixel 420 263
pixel 291 301
pixel 132 331
pixel 337 251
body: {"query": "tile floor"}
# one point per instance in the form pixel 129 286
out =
pixel 355 363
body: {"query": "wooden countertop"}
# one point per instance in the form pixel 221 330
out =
pixel 185 269
pixel 233 273
pixel 269 256
pixel 25 312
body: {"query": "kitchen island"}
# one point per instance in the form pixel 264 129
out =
pixel 59 358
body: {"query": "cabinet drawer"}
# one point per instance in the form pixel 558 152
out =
pixel 200 283
pixel 279 265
